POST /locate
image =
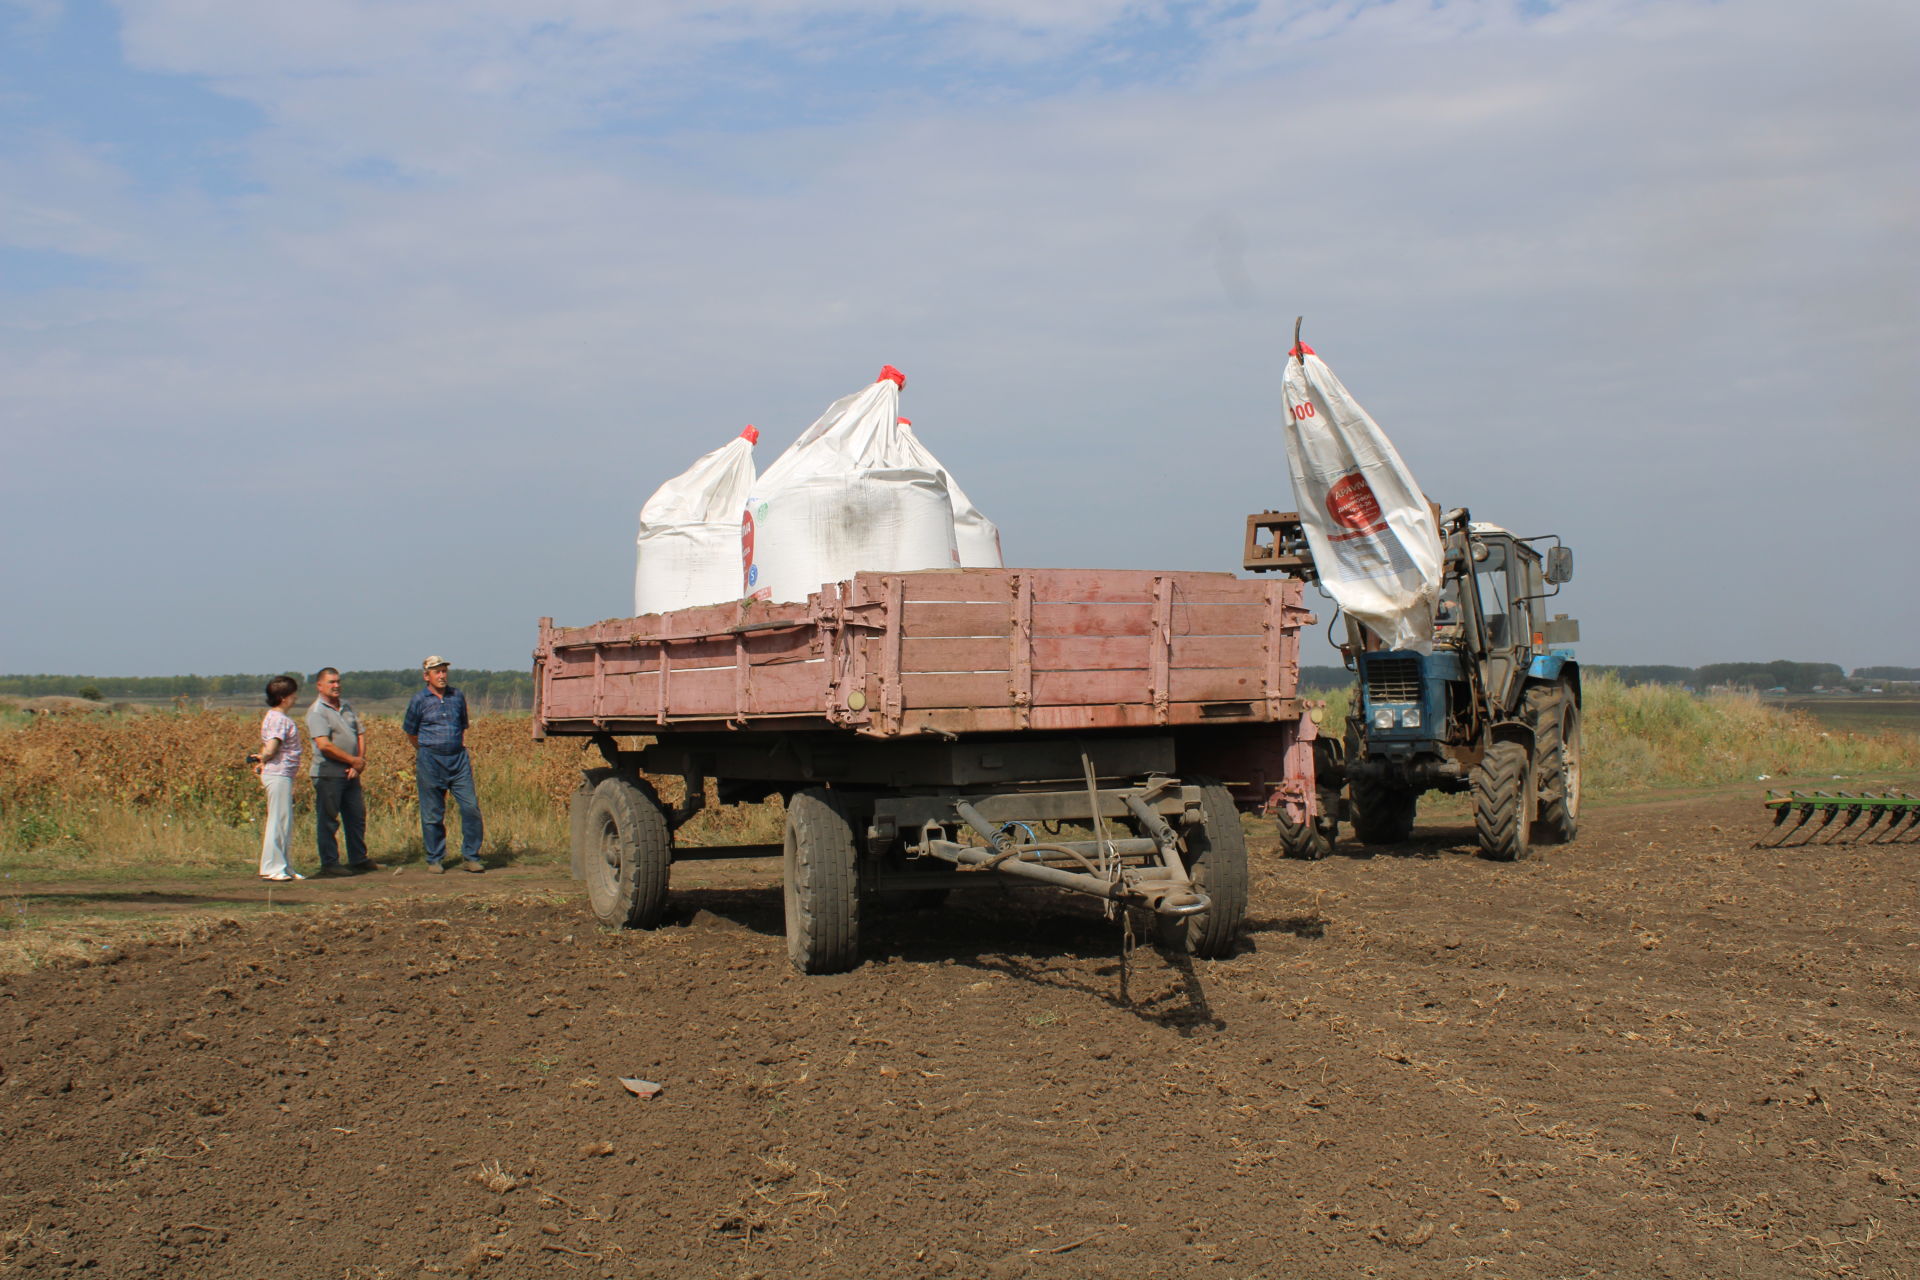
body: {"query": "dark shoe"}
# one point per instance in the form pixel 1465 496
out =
pixel 435 868
pixel 333 869
pixel 361 868
pixel 474 865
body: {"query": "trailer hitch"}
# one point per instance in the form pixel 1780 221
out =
pixel 1103 870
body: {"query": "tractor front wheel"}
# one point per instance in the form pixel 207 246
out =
pixel 1311 840
pixel 1503 799
pixel 1382 812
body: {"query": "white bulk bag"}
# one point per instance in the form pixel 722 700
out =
pixel 689 539
pixel 975 538
pixel 1373 537
pixel 849 495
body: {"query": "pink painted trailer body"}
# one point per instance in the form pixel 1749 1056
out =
pixel 940 652
pixel 922 728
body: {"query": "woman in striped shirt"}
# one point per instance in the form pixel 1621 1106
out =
pixel 278 765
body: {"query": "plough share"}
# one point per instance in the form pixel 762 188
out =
pixel 1889 818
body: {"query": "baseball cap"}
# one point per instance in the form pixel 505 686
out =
pixel 435 661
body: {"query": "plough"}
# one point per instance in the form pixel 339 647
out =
pixel 1896 815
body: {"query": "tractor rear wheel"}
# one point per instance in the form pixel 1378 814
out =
pixel 822 884
pixel 1217 865
pixel 1382 812
pixel 1503 801
pixel 628 850
pixel 1557 751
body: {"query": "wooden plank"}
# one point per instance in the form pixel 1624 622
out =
pixel 964 586
pixel 1090 653
pixel 954 689
pixel 790 688
pixel 953 655
pixel 1098 586
pixel 1093 688
pixel 928 621
pixel 1052 620
pixel 1126 716
pixel 1217 651
pixel 1229 684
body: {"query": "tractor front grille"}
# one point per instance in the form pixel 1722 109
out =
pixel 1393 680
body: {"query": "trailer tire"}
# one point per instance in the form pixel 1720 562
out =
pixel 822 884
pixel 1503 797
pixel 577 820
pixel 629 851
pixel 1217 865
pixel 1556 719
pixel 1382 812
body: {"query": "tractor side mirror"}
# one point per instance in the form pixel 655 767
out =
pixel 1559 565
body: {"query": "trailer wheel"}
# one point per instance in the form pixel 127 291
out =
pixel 822 884
pixel 577 851
pixel 628 851
pixel 1217 865
pixel 1557 737
pixel 1382 812
pixel 1503 801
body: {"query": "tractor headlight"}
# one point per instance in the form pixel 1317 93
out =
pixel 1410 718
pixel 1383 718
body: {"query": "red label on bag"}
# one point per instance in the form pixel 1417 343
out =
pixel 1353 507
pixel 747 571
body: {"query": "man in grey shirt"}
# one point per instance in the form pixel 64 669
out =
pixel 339 757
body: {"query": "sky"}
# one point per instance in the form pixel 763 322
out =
pixel 343 332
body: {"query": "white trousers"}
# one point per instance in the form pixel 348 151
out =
pixel 279 825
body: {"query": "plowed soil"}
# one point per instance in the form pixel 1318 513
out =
pixel 1656 1052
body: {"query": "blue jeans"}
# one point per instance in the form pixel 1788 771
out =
pixel 340 803
pixel 436 774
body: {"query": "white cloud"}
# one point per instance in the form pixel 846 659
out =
pixel 1568 261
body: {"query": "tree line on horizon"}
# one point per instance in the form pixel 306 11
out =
pixel 492 689
pixel 1794 677
pixel 513 690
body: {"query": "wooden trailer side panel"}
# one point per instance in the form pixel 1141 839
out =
pixel 941 652
pixel 974 651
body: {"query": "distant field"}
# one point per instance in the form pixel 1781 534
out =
pixel 1859 715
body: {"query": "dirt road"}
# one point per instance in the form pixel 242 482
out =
pixel 1658 1052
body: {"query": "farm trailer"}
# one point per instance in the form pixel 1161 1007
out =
pixel 932 729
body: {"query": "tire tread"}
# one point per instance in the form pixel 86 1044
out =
pixel 1501 786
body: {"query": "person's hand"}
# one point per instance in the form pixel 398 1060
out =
pixel 353 771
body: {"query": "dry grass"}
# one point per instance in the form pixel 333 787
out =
pixel 170 792
pixel 1659 736
pixel 1646 736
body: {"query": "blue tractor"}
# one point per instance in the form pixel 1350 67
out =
pixel 1494 709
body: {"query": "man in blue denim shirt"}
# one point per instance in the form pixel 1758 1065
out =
pixel 436 725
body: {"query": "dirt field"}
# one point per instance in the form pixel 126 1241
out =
pixel 1658 1052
